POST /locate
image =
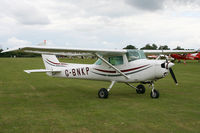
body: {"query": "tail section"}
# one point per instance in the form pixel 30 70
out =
pixel 50 61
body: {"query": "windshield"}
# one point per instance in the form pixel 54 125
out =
pixel 135 55
pixel 98 62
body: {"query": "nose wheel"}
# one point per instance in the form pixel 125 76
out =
pixel 154 93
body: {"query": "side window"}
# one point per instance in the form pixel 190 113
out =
pixel 133 55
pixel 116 60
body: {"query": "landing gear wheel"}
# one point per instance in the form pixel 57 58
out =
pixel 154 94
pixel 140 89
pixel 103 93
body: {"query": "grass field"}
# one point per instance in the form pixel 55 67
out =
pixel 37 103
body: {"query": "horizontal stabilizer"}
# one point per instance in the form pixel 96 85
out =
pixel 40 71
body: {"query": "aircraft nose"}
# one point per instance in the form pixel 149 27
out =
pixel 167 65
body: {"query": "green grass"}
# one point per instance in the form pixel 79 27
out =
pixel 37 103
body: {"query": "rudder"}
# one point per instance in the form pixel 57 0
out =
pixel 50 61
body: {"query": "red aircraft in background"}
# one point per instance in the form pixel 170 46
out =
pixel 179 57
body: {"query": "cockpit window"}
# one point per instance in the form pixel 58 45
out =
pixel 135 55
pixel 116 60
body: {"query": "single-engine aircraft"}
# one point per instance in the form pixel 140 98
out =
pixel 126 66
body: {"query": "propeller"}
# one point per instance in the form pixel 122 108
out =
pixel 171 71
pixel 173 75
pixel 167 63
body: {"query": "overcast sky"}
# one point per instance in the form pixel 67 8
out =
pixel 105 24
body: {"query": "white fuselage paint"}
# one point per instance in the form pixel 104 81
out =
pixel 140 70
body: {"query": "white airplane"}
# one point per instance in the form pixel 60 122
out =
pixel 125 66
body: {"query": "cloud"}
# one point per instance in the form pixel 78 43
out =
pixel 15 42
pixel 149 5
pixel 23 12
pixel 100 24
pixel 30 16
pixel 154 5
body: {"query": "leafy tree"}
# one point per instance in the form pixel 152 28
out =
pixel 154 46
pixel 178 48
pixel 164 47
pixel 130 47
pixel 148 46
pixel 1 53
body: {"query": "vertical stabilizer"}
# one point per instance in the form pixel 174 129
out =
pixel 50 61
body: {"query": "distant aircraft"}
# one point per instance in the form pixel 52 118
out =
pixel 152 56
pixel 190 56
pixel 160 56
pixel 126 66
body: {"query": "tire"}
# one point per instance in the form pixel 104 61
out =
pixel 155 94
pixel 140 89
pixel 103 93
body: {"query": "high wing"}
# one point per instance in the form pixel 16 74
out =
pixel 65 51
pixel 147 52
pixel 85 52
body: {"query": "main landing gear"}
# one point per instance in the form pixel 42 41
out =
pixel 140 89
pixel 103 93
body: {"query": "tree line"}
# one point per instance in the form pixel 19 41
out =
pixel 146 47
pixel 153 47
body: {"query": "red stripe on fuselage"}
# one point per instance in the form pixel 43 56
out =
pixel 106 71
pixel 54 62
pixel 126 70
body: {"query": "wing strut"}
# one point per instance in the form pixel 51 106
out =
pixel 111 65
